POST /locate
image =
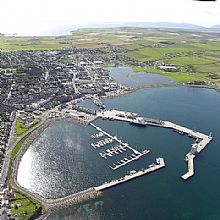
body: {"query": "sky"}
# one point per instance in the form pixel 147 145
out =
pixel 39 17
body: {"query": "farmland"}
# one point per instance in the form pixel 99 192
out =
pixel 196 55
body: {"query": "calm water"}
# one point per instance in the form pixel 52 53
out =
pixel 126 76
pixel 62 161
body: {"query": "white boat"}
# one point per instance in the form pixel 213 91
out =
pixel 133 172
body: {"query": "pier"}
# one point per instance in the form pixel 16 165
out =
pixel 102 143
pixel 133 174
pixel 76 198
pixel 96 136
pixel 202 140
pixel 190 172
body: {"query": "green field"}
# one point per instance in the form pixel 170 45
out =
pixel 32 43
pixel 176 76
pixel 199 51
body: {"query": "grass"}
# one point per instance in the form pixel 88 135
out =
pixel 24 207
pixel 132 46
pixel 146 70
pixel 20 127
pixel 145 54
pixel 209 46
pixel 15 152
pixel 176 76
pixel 149 53
pixel 29 206
pixel 212 67
pixel 190 60
pixel 186 77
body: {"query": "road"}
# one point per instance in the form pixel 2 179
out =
pixel 11 146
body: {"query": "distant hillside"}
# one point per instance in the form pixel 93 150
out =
pixel 145 25
pixel 216 26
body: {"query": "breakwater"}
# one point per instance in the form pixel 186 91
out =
pixel 202 140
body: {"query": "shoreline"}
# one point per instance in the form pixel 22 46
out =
pixel 49 204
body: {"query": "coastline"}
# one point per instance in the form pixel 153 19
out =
pixel 47 203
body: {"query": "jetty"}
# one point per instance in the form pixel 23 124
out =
pixel 133 174
pixel 113 151
pixel 120 148
pixel 126 160
pixel 202 140
pixel 114 138
pixel 190 172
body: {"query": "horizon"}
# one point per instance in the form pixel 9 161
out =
pixel 40 18
pixel 63 30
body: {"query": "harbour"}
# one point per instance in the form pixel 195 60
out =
pixel 142 189
pixel 90 193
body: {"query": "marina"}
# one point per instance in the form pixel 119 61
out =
pixel 102 143
pixel 87 194
pixel 120 148
pixel 114 138
pixel 126 160
pixel 156 187
pixel 202 140
pixel 113 151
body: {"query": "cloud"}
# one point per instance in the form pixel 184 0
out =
pixel 37 16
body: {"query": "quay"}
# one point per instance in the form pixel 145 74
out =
pixel 202 140
pixel 133 174
pixel 94 192
pixel 76 198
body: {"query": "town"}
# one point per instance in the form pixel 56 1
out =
pixel 33 82
pixel 36 86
